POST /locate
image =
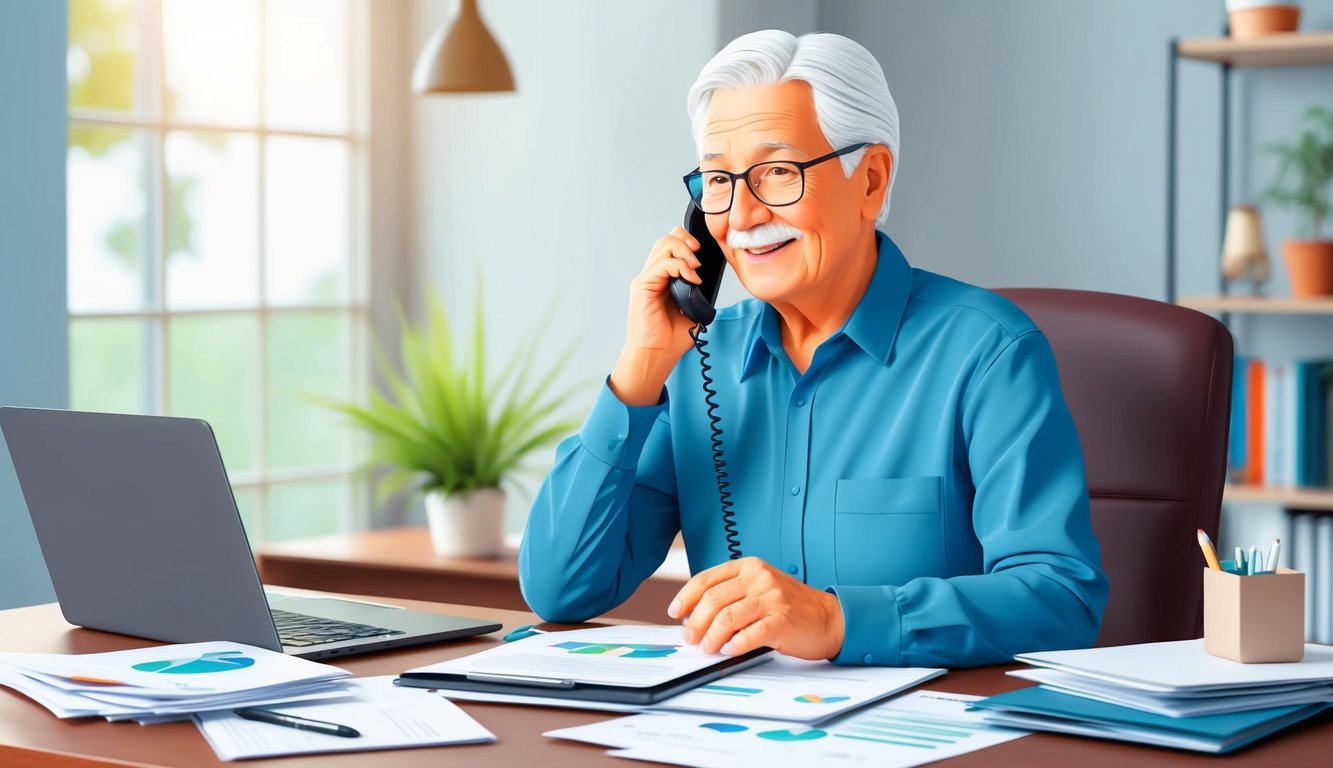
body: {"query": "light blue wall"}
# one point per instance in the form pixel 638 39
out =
pixel 33 347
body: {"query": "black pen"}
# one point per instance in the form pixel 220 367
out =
pixel 292 721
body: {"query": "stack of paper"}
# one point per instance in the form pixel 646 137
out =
pixel 166 682
pixel 1170 694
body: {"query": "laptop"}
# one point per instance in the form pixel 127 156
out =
pixel 141 534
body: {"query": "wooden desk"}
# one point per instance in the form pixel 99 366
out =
pixel 399 562
pixel 30 736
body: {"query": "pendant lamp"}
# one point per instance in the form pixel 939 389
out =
pixel 462 57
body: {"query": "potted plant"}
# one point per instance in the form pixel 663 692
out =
pixel 1304 173
pixel 454 433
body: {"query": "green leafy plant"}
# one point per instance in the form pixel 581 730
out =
pixel 1305 168
pixel 446 425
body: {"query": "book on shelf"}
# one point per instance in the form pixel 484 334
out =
pixel 1281 423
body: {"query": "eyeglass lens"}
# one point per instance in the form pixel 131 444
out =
pixel 776 183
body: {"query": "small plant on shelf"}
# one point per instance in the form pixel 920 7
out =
pixel 1302 182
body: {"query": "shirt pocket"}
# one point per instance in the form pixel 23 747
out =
pixel 888 531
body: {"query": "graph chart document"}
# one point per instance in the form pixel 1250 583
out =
pixel 915 728
pixel 782 689
pixel 601 662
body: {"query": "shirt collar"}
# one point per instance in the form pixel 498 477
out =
pixel 873 325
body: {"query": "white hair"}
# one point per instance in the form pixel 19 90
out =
pixel 852 99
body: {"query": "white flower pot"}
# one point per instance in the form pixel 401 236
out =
pixel 466 524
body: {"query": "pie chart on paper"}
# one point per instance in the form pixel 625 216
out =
pixel 217 661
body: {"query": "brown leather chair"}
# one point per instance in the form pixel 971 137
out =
pixel 1149 385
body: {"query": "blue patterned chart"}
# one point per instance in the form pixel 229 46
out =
pixel 217 661
pixel 789 735
pixel 724 727
pixel 621 650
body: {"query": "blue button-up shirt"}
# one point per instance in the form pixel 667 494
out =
pixel 924 468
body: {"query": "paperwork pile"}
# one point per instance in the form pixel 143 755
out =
pixel 168 682
pixel 1169 694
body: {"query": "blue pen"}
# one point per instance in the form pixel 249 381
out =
pixel 1250 566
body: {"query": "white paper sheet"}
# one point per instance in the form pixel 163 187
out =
pixel 388 717
pixel 915 728
pixel 1182 665
pixel 635 656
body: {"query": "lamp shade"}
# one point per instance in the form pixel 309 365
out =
pixel 1243 252
pixel 462 57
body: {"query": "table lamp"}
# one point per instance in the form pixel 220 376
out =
pixel 1243 254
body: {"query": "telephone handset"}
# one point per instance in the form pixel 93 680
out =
pixel 697 303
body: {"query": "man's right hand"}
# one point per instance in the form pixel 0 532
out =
pixel 657 334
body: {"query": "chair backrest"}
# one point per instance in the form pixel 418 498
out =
pixel 1149 385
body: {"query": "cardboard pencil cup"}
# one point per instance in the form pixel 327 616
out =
pixel 1254 619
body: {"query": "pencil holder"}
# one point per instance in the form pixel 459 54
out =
pixel 1254 619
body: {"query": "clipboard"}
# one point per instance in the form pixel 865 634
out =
pixel 552 687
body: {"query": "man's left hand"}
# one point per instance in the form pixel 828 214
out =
pixel 745 604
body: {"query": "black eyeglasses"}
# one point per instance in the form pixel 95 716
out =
pixel 776 182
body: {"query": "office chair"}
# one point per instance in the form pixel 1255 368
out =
pixel 1149 385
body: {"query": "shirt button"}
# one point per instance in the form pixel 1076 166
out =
pixel 620 435
pixel 868 658
pixel 792 569
pixel 795 490
pixel 800 402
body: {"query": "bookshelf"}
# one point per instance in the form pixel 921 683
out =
pixel 1291 498
pixel 1260 305
pixel 1296 49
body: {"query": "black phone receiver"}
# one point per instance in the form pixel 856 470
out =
pixel 697 302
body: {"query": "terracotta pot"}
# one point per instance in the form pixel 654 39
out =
pixel 1263 20
pixel 1310 264
pixel 466 524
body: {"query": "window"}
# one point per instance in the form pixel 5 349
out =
pixel 216 258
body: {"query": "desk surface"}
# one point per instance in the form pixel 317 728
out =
pixel 399 562
pixel 30 736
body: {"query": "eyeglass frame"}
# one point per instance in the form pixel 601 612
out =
pixel 745 175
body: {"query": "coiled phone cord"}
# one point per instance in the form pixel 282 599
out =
pixel 719 465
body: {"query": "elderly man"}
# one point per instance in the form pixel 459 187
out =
pixel 907 480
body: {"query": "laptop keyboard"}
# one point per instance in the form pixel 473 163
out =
pixel 300 630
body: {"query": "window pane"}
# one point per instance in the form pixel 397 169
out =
pixel 212 60
pixel 297 510
pixel 105 59
pixel 307 354
pixel 212 225
pixel 247 502
pixel 214 376
pixel 108 365
pixel 306 203
pixel 305 63
pixel 107 226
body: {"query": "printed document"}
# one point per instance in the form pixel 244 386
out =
pixel 912 729
pixel 782 689
pixel 387 717
pixel 631 656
